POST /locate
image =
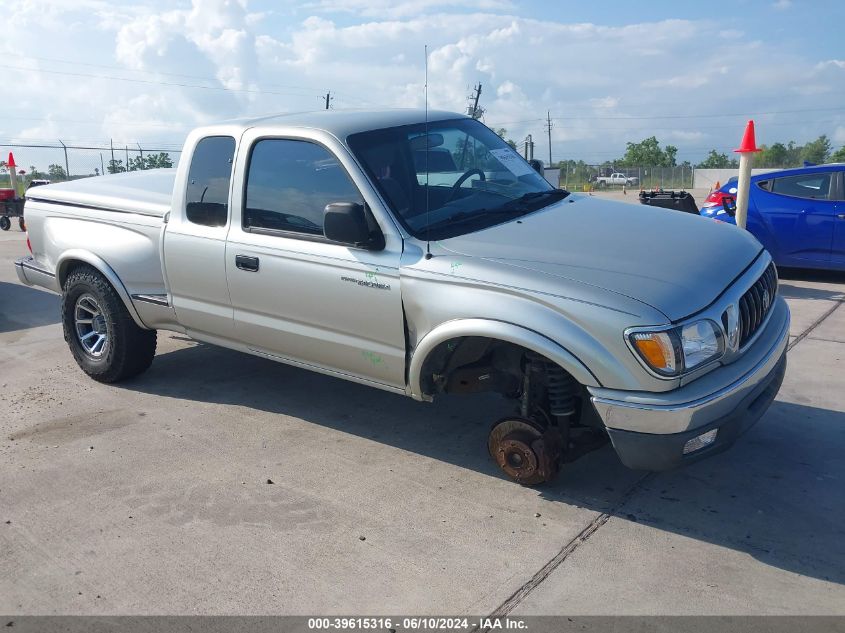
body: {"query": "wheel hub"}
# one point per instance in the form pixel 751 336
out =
pixel 516 457
pixel 91 327
pixel 524 450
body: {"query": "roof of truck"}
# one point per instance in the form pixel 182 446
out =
pixel 342 123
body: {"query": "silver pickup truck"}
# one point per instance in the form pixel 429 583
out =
pixel 424 256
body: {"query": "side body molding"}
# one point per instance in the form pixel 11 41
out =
pixel 79 255
pixel 499 330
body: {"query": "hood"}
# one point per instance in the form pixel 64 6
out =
pixel 678 263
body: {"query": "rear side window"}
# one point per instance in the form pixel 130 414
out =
pixel 816 186
pixel 289 183
pixel 207 200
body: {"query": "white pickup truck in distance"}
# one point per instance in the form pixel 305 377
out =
pixel 423 257
pixel 616 179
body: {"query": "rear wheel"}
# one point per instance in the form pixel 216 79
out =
pixel 104 340
pixel 5 223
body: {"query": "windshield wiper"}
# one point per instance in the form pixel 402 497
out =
pixel 530 199
pixel 476 214
pixel 512 209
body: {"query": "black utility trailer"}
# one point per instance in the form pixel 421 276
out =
pixel 678 200
pixel 9 209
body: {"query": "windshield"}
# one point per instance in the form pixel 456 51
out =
pixel 451 177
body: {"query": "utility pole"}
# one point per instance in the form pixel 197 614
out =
pixel 67 166
pixel 528 151
pixel 549 130
pixel 474 110
pixel 102 166
pixel 328 99
pixel 111 144
pixel 127 158
pixel 141 151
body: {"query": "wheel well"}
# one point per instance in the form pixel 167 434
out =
pixel 468 364
pixel 67 267
pixel 472 364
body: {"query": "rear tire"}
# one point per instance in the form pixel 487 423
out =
pixel 104 340
pixel 5 223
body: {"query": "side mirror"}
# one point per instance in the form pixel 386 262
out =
pixel 348 223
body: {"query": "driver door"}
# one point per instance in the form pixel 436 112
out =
pixel 296 295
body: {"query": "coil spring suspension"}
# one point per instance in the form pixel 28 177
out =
pixel 560 386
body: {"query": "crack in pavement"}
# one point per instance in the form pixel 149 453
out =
pixel 520 594
pixel 814 325
pixel 584 535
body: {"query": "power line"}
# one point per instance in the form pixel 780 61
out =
pixel 92 122
pixel 160 83
pixel 677 116
pixel 134 70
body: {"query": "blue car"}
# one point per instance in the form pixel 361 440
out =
pixel 797 214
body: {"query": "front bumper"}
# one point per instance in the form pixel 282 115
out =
pixel 649 430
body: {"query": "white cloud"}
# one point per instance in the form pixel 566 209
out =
pixel 684 135
pixel 604 103
pixel 392 9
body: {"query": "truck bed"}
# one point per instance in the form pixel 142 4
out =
pixel 144 192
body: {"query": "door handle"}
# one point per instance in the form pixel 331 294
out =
pixel 245 262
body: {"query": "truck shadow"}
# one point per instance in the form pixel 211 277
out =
pixel 22 307
pixel 776 495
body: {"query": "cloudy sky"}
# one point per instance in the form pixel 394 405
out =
pixel 608 72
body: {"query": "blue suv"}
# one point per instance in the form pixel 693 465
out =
pixel 797 214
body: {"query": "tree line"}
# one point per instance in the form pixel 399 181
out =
pixel 649 153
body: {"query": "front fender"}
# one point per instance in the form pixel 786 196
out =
pixel 499 330
pixel 77 255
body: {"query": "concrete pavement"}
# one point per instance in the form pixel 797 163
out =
pixel 154 497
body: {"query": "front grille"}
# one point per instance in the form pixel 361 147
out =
pixel 755 304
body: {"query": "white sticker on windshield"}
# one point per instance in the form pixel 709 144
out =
pixel 512 161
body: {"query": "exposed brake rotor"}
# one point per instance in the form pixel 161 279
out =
pixel 528 453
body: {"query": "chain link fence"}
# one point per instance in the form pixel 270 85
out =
pixel 583 177
pixel 61 162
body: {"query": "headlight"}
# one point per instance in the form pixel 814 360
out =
pixel 678 350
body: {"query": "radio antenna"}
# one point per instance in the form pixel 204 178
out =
pixel 427 205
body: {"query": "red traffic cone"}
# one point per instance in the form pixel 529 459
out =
pixel 11 162
pixel 748 143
